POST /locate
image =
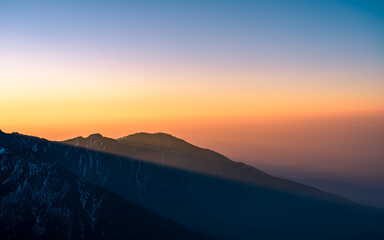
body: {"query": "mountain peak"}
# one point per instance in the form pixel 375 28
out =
pixel 93 138
pixel 145 134
pixel 95 135
pixel 158 138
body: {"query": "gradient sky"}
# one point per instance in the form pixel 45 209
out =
pixel 222 74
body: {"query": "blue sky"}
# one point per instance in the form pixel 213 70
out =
pixel 318 33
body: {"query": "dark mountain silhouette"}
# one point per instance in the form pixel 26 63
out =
pixel 204 190
pixel 42 200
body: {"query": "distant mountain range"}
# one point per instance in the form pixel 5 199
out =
pixel 371 194
pixel 366 195
pixel 97 187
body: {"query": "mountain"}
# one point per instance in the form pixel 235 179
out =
pixel 366 195
pixel 42 200
pixel 204 190
pixel 166 150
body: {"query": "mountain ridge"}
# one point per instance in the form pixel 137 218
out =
pixel 150 138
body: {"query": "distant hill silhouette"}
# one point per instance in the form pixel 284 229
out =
pixel 202 189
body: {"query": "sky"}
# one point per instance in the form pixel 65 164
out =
pixel 296 83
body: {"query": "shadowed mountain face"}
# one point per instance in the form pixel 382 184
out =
pixel 42 200
pixel 204 190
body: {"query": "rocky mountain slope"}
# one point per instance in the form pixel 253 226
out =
pixel 39 199
pixel 204 190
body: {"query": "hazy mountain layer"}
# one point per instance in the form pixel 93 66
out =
pixel 365 195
